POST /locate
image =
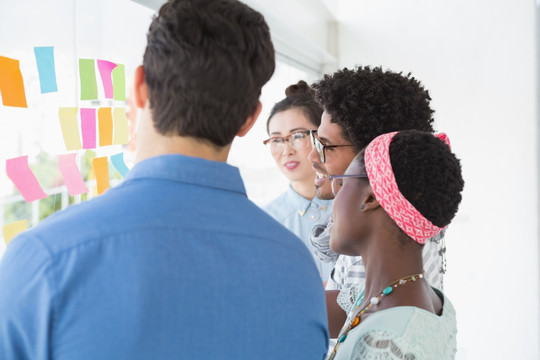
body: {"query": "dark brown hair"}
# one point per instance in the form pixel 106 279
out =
pixel 205 64
pixel 300 96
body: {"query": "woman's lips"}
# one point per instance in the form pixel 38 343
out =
pixel 291 165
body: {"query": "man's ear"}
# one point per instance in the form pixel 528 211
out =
pixel 250 120
pixel 140 90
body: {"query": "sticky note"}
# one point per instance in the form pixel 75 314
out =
pixel 11 83
pixel 70 127
pixel 119 82
pixel 23 178
pixel 120 126
pixel 87 75
pixel 45 64
pixel 13 229
pixel 119 164
pixel 71 174
pixel 105 126
pixel 101 171
pixel 105 68
pixel 88 128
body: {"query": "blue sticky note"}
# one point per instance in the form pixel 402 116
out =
pixel 45 64
pixel 119 164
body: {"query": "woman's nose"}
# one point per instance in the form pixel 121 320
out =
pixel 287 148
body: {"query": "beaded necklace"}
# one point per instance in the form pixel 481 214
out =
pixel 357 312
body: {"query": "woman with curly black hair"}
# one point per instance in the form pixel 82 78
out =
pixel 359 105
pixel 403 189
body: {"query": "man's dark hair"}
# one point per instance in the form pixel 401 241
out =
pixel 428 174
pixel 205 64
pixel 368 102
pixel 299 96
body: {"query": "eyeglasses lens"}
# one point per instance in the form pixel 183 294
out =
pixel 297 141
pixel 315 142
pixel 320 150
pixel 336 183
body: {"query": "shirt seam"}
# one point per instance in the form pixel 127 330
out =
pixel 90 240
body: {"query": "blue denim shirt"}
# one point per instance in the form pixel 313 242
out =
pixel 175 263
pixel 300 215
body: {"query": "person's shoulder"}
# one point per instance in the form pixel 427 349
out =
pixel 68 227
pixel 412 331
pixel 449 313
pixel 280 208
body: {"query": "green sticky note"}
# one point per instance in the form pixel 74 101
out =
pixel 119 82
pixel 87 75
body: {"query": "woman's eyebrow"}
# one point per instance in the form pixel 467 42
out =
pixel 296 129
pixel 290 131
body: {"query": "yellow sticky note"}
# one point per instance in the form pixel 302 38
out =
pixel 11 230
pixel 120 126
pixel 70 127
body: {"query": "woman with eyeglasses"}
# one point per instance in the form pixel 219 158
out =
pixel 289 126
pixel 403 189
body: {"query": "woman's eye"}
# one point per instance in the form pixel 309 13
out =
pixel 276 140
pixel 299 136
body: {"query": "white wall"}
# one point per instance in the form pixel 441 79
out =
pixel 478 60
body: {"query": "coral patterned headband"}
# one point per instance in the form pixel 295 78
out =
pixel 384 186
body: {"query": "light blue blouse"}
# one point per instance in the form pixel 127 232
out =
pixel 403 332
pixel 300 215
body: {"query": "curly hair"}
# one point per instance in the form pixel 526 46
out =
pixel 428 174
pixel 205 64
pixel 368 102
pixel 299 96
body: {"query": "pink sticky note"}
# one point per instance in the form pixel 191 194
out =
pixel 23 178
pixel 71 174
pixel 88 128
pixel 105 71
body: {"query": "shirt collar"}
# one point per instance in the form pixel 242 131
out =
pixel 190 170
pixel 302 204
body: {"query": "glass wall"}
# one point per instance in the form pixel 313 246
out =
pixel 34 141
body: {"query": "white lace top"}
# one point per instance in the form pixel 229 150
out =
pixel 403 332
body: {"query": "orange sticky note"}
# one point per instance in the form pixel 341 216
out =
pixel 11 83
pixel 101 171
pixel 105 126
pixel 11 230
pixel 120 126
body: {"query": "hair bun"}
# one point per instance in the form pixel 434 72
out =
pixel 299 88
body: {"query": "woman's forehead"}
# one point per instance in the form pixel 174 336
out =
pixel 357 167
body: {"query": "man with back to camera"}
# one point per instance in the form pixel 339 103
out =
pixel 176 262
pixel 359 105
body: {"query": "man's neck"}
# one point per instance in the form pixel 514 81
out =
pixel 150 143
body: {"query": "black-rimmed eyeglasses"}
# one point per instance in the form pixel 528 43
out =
pixel 320 147
pixel 337 181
